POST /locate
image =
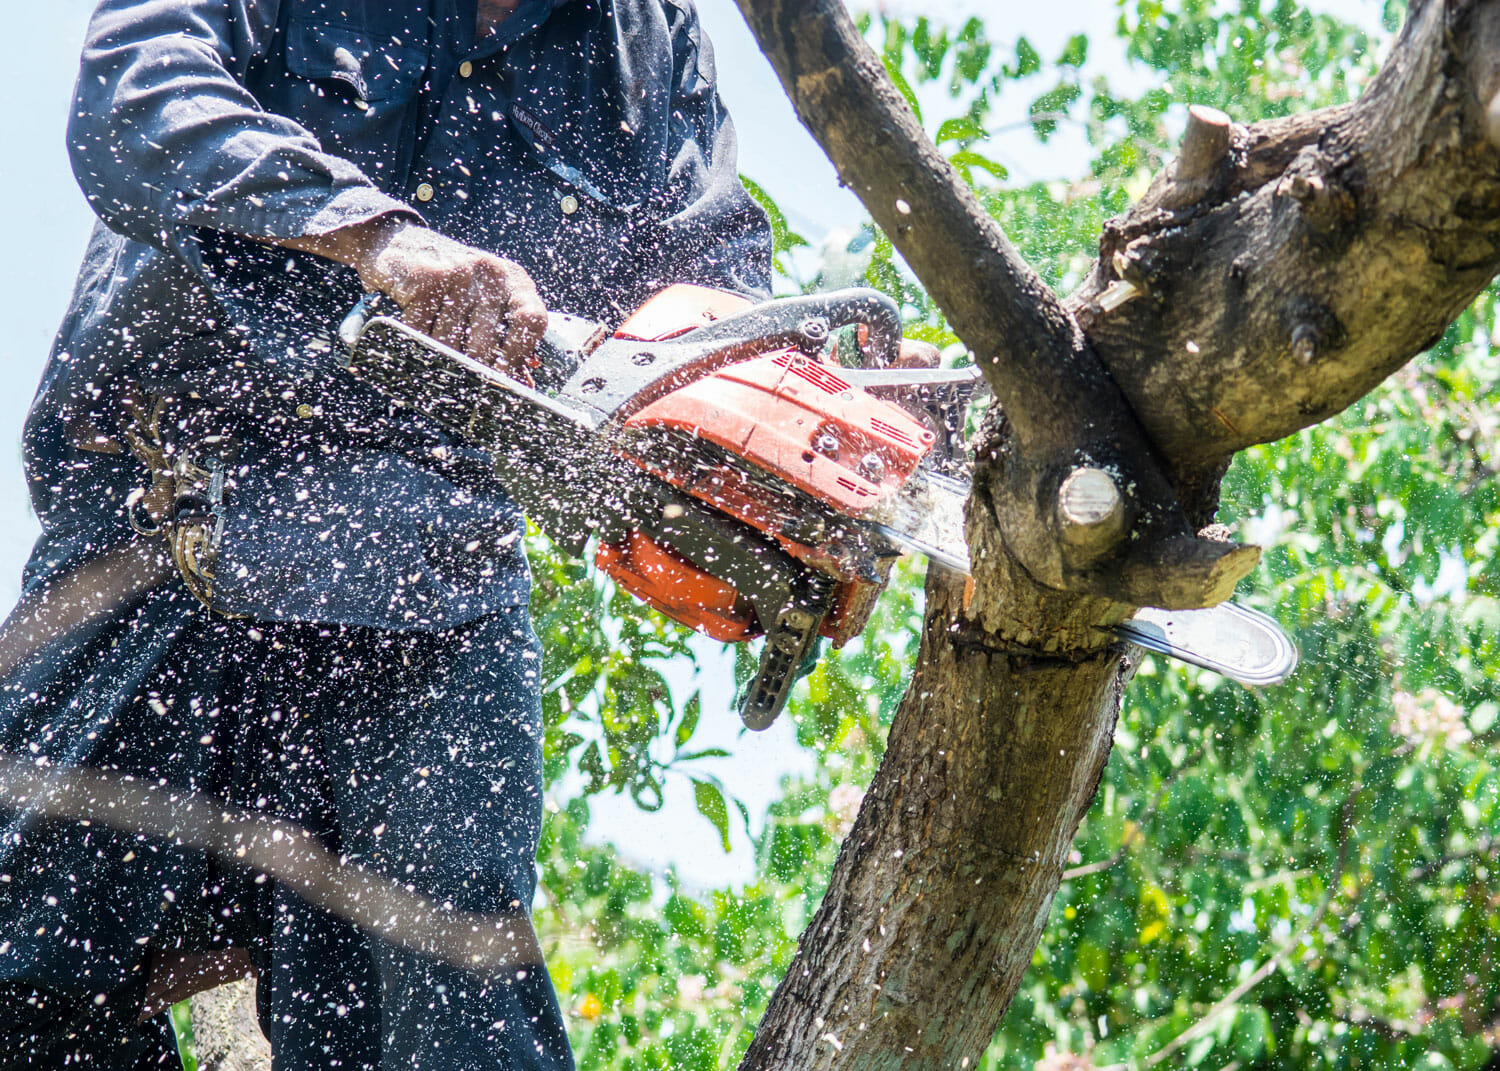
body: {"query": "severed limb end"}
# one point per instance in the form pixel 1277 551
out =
pixel 1090 511
pixel 1095 535
pixel 1205 144
pixel 1202 157
pixel 1185 572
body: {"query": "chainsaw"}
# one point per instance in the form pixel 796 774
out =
pixel 730 472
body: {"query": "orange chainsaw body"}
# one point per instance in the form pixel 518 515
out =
pixel 784 414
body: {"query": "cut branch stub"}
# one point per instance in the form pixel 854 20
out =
pixel 1090 510
pixel 1205 144
pixel 1203 157
pixel 1148 558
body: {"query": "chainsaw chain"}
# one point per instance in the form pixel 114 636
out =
pixel 698 467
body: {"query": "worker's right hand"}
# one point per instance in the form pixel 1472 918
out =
pixel 480 304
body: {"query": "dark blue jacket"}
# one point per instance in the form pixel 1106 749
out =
pixel 585 140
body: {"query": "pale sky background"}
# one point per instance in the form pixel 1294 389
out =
pixel 48 223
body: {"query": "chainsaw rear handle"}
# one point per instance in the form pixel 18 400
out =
pixel 557 352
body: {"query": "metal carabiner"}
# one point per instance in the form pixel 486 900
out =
pixel 148 527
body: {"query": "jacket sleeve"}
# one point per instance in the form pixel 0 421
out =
pixel 166 139
pixel 722 232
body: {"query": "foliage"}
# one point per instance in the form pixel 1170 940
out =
pixel 1304 877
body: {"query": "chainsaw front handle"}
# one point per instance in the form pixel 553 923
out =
pixel 812 319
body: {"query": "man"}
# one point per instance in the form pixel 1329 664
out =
pixel 342 638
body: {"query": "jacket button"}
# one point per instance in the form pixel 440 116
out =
pixel 569 204
pixel 465 69
pixel 425 192
pixel 305 411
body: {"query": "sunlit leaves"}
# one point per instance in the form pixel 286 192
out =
pixel 709 799
pixel 1052 106
pixel 783 238
pixel 1028 60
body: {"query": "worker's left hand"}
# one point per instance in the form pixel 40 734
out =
pixel 916 354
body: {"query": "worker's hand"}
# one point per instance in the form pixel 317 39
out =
pixel 918 355
pixel 479 304
pixel 913 354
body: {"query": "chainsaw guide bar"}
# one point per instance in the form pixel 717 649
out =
pixel 737 480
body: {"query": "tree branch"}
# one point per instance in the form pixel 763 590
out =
pixel 1314 256
pixel 1063 410
pixel 1488 848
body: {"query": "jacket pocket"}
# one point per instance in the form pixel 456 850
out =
pixel 353 91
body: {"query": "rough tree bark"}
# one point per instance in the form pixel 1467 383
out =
pixel 1270 277
pixel 226 1035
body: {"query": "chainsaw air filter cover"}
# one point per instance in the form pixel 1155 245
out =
pixel 749 438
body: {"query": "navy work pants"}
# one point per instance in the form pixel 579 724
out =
pixel 415 754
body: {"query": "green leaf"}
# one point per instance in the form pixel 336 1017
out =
pixel 929 48
pixel 973 54
pixel 1051 105
pixel 691 711
pixel 1200 1050
pixel 1028 60
pixel 591 762
pixel 906 90
pixel 1076 52
pixel 960 129
pixel 968 160
pixel 783 238
pixel 1252 1028
pixel 711 805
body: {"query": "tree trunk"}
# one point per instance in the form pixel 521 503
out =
pixel 943 885
pixel 226 1034
pixel 1271 276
